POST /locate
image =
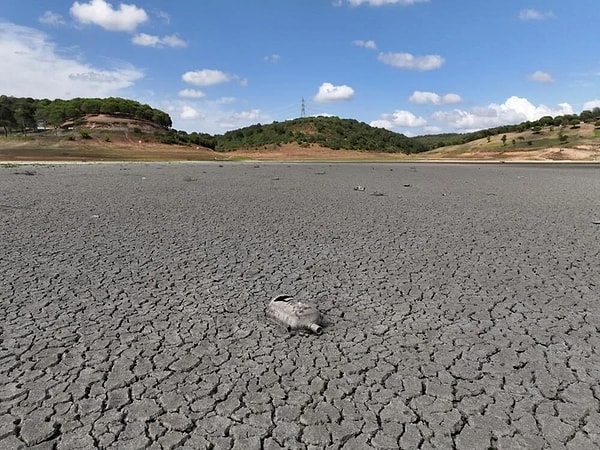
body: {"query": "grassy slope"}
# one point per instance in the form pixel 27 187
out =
pixel 586 137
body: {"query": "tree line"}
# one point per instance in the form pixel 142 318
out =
pixel 23 114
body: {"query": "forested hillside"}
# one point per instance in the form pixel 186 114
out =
pixel 23 114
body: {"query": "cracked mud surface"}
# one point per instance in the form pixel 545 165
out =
pixel 462 306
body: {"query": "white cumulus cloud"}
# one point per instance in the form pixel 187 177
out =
pixel 399 118
pixel 423 97
pixel 330 93
pixel 412 62
pixel 99 12
pixel 385 2
pixel 206 77
pixel 591 105
pixel 541 77
pixel 370 44
pixel 189 113
pixel 149 40
pixel 46 71
pixel 513 110
pixel 534 14
pixel 191 93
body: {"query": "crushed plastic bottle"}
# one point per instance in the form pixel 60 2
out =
pixel 294 315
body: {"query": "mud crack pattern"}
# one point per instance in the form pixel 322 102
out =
pixel 462 306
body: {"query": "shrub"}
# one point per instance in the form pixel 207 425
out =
pixel 85 135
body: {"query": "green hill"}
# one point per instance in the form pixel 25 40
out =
pixel 330 132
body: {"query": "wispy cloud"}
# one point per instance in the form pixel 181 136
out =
pixel 165 17
pixel 149 40
pixel 365 44
pixel 99 12
pixel 411 62
pixel 51 18
pixel 385 2
pixel 239 119
pixel 272 58
pixel 330 93
pixel 541 77
pixel 46 71
pixel 534 14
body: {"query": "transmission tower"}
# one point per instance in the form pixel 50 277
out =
pixel 303 108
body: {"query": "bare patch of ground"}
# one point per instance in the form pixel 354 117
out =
pixel 131 147
pixel 580 153
pixel 293 152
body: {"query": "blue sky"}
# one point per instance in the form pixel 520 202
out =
pixel 412 66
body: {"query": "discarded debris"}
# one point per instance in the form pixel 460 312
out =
pixel 294 315
pixel 378 194
pixel 407 185
pixel 359 188
pixel 596 222
pixel 26 172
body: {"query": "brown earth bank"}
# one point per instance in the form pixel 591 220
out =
pixel 128 147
